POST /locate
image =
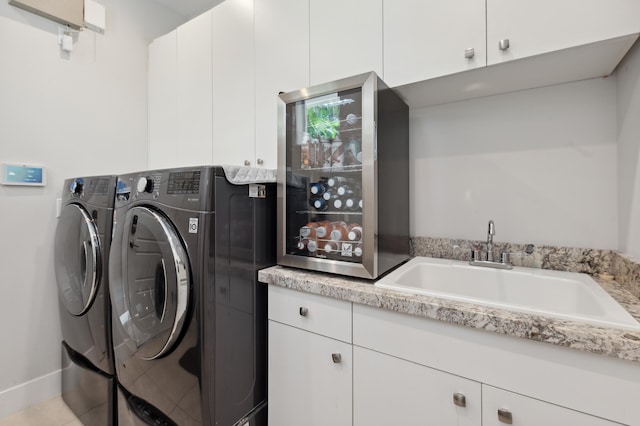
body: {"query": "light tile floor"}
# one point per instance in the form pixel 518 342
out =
pixel 52 412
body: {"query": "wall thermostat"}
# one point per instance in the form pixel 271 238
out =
pixel 20 174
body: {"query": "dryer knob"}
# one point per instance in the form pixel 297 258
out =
pixel 76 186
pixel 145 184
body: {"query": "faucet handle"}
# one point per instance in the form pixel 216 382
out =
pixel 475 254
pixel 505 257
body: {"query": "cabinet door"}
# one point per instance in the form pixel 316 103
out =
pixel 233 83
pixel 534 27
pixel 500 407
pixel 392 391
pixel 281 65
pixel 308 384
pixel 345 38
pixel 194 141
pixel 426 39
pixel 163 98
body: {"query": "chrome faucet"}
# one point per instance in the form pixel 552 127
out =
pixel 490 233
pixel 489 262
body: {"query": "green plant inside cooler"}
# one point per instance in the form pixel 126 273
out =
pixel 323 121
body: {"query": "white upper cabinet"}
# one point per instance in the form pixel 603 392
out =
pixel 281 34
pixel 427 39
pixel 194 142
pixel 180 96
pixel 213 83
pixel 233 83
pixel 540 26
pixel 345 38
pixel 163 100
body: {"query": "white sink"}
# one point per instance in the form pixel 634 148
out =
pixel 564 295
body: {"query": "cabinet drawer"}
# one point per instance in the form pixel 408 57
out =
pixel 318 314
pixel 501 407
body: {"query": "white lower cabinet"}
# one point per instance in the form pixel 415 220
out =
pixel 335 363
pixel 310 359
pixel 310 378
pixel 391 391
pixel 500 407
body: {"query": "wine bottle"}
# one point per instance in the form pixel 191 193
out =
pixel 344 190
pixel 302 244
pixel 320 204
pixel 339 231
pixel 308 244
pixel 317 188
pixel 355 233
pixel 350 204
pixel 335 181
pixel 328 194
pixel 331 247
pixel 309 230
pixel 322 229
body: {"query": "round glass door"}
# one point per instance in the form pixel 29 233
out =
pixel 150 281
pixel 77 259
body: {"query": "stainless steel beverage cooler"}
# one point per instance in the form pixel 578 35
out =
pixel 343 178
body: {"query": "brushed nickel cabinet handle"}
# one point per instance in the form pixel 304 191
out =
pixel 247 162
pixel 459 399
pixel 503 44
pixel 505 416
pixel 469 53
pixel 337 358
pixel 303 311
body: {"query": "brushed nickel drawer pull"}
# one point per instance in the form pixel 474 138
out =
pixel 304 311
pixel 505 416
pixel 337 358
pixel 459 399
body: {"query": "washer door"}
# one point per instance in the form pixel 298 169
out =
pixel 78 260
pixel 150 281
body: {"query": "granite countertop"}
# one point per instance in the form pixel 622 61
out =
pixel 613 342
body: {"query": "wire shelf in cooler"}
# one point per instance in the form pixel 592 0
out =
pixel 328 212
pixel 341 169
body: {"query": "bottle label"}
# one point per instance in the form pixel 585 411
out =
pixel 347 249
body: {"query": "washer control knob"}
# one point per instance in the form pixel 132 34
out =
pixel 76 186
pixel 145 184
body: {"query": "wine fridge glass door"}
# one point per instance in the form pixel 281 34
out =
pixel 324 177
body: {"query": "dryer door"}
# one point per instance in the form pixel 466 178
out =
pixel 77 259
pixel 150 281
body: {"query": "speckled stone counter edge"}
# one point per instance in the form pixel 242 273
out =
pixel 611 342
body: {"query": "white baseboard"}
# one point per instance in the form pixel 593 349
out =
pixel 29 393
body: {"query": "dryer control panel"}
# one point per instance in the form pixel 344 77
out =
pixel 184 182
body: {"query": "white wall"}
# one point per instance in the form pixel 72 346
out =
pixel 78 114
pixel 541 163
pixel 628 74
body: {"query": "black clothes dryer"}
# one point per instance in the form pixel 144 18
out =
pixel 82 240
pixel 189 316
